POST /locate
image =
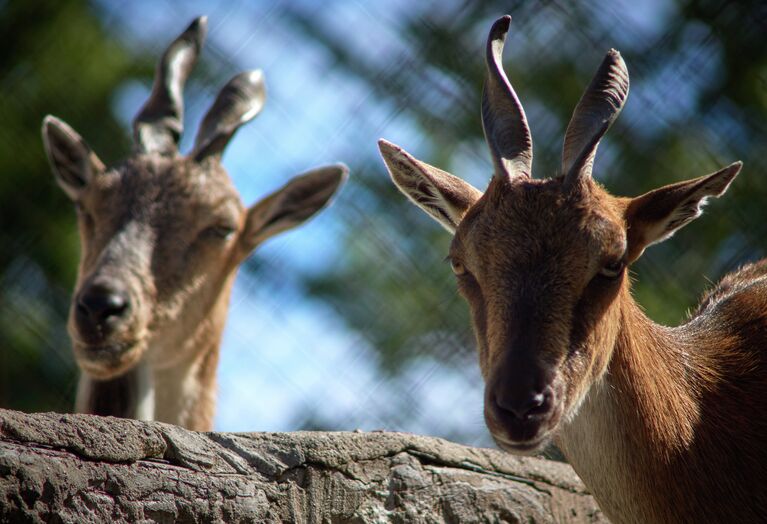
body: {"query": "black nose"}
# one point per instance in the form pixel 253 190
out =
pixel 522 404
pixel 97 304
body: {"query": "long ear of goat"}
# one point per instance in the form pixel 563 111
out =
pixel 503 118
pixel 241 99
pixel 596 111
pixel 158 126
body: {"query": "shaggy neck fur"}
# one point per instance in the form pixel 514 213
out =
pixel 182 393
pixel 667 434
pixel 129 396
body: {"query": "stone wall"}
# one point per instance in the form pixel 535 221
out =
pixel 79 468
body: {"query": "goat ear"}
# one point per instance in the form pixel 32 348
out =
pixel 445 197
pixel 292 204
pixel 655 216
pixel 72 161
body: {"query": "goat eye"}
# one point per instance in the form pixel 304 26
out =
pixel 458 268
pixel 220 231
pixel 612 270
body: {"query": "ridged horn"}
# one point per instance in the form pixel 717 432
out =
pixel 241 99
pixel 503 118
pixel 160 122
pixel 596 111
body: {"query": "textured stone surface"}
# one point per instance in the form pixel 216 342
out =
pixel 80 468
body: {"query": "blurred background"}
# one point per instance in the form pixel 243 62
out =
pixel 353 320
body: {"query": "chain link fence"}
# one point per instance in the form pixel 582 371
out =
pixel 353 320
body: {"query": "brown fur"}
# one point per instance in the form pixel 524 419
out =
pixel 663 424
pixel 674 432
pixel 164 234
pixel 176 274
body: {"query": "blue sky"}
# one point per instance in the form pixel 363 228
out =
pixel 285 355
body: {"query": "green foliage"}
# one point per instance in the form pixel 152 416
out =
pixel 57 59
pixel 697 103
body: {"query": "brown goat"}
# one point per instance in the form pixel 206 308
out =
pixel 161 238
pixel 663 424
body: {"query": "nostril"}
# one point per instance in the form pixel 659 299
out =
pixel 535 402
pixel 524 406
pixel 100 303
pixel 81 308
pixel 114 304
